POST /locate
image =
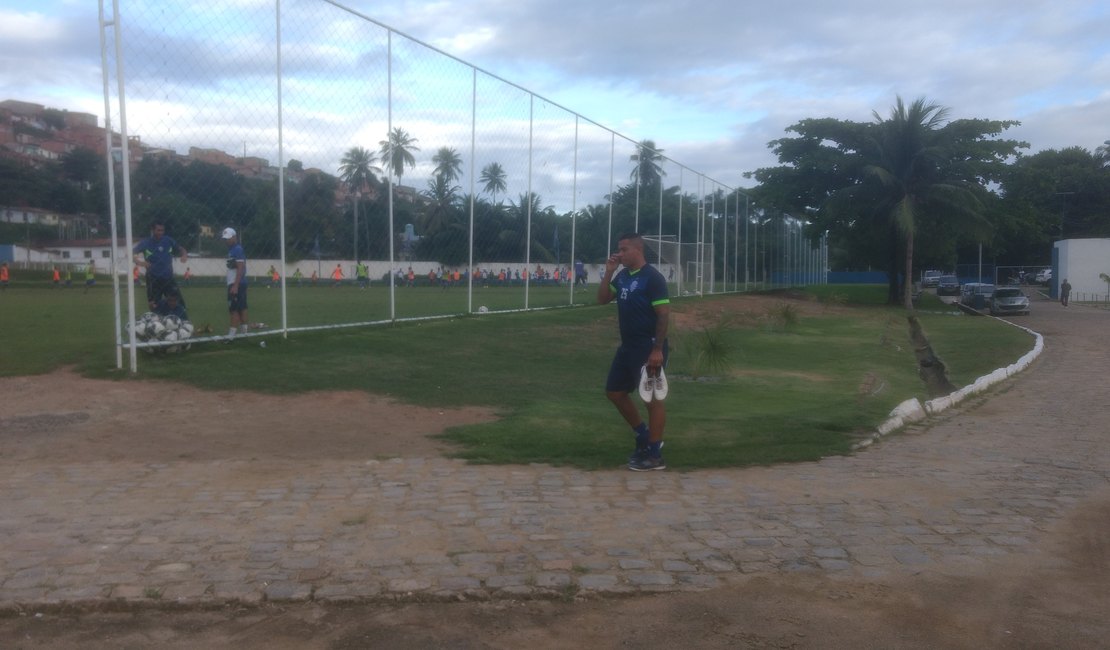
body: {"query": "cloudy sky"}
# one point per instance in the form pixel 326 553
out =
pixel 711 82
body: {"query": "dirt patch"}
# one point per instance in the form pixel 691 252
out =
pixel 153 421
pixel 747 309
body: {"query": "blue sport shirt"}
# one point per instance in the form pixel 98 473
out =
pixel 638 294
pixel 235 254
pixel 159 254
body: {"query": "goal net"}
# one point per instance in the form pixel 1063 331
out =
pixel 688 266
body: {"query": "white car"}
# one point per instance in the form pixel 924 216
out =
pixel 1044 276
pixel 1009 300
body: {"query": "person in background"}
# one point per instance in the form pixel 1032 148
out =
pixel 236 285
pixel 170 305
pixel 90 275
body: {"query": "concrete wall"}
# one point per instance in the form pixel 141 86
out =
pixel 1080 261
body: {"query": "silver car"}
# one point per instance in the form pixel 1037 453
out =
pixel 1009 300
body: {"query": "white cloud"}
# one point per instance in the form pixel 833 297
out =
pixel 711 81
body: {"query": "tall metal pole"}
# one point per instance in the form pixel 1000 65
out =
pixel 108 150
pixel 389 141
pixel 125 170
pixel 528 228
pixel 281 182
pixel 574 213
pixel 473 155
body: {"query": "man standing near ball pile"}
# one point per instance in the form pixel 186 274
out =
pixel 156 253
pixel 643 312
pixel 236 284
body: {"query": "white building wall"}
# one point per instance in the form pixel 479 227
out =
pixel 1080 261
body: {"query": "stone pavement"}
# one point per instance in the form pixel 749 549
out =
pixel 972 486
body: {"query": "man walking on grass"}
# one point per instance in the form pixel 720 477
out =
pixel 643 311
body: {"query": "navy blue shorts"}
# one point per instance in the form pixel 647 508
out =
pixel 624 373
pixel 237 302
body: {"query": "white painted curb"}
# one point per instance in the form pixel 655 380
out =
pixel 912 410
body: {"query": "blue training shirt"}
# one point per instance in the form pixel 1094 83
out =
pixel 159 254
pixel 638 294
pixel 235 254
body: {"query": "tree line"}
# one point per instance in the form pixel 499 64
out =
pixel 916 190
pixel 904 192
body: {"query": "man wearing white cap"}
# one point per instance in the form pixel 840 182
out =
pixel 236 284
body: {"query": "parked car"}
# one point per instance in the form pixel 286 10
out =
pixel 930 279
pixel 1009 300
pixel 976 295
pixel 948 285
pixel 1044 276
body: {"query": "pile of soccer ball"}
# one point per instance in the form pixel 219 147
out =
pixel 169 329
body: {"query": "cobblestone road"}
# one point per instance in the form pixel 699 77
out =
pixel 982 482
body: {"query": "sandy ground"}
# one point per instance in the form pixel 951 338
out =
pixel 1055 596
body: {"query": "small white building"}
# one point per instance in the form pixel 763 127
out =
pixel 1080 261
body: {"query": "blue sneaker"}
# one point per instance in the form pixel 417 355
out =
pixel 642 452
pixel 647 464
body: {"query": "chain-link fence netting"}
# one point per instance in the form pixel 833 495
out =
pixel 370 177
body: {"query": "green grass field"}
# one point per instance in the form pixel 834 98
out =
pixel 791 388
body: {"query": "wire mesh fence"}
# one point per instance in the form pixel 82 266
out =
pixel 372 178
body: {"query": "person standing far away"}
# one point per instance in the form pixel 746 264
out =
pixel 1065 292
pixel 236 284
pixel 643 314
pixel 90 275
pixel 5 275
pixel 56 277
pixel 336 276
pixel 155 254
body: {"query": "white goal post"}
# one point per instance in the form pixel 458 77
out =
pixel 688 266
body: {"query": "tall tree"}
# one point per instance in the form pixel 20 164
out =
pixel 493 179
pixel 444 198
pixel 396 151
pixel 876 186
pixel 356 170
pixel 648 170
pixel 906 158
pixel 448 164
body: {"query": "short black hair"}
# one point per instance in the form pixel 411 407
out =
pixel 157 222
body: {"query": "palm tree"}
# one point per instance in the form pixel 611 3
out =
pixel 396 152
pixel 356 170
pixel 448 163
pixel 647 171
pixel 444 198
pixel 493 179
pixel 521 210
pixel 907 159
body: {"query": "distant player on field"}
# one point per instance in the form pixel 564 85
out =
pixel 643 311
